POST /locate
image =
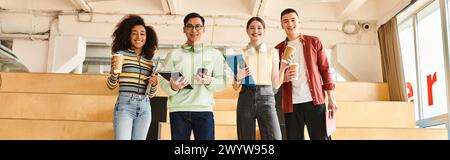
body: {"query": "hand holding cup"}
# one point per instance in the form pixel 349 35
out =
pixel 294 68
pixel 116 63
pixel 288 54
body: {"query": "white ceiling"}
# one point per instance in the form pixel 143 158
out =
pixel 340 10
pixel 94 20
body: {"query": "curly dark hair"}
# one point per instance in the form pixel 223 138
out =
pixel 121 36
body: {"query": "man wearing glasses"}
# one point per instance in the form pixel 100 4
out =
pixel 191 109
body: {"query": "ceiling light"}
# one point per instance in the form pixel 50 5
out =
pixel 351 27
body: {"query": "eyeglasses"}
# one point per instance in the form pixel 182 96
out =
pixel 191 27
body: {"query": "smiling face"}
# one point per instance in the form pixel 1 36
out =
pixel 138 37
pixel 290 24
pixel 194 30
pixel 255 31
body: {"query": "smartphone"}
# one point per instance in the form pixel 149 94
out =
pixel 202 70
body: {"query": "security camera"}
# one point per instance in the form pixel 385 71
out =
pixel 365 26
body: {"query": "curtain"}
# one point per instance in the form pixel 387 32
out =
pixel 391 60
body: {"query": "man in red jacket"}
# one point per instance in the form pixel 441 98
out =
pixel 303 98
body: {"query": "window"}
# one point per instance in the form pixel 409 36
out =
pixel 98 59
pixel 431 62
pixel 422 45
pixel 406 35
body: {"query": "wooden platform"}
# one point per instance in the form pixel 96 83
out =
pixel 55 83
pixel 390 134
pixel 97 108
pixel 228 132
pixel 17 129
pixel 222 132
pixel 361 91
pixel 350 114
pixel 96 84
pixel 70 106
pixel 386 114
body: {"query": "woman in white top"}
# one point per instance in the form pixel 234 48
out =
pixel 258 80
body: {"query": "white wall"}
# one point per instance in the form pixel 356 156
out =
pixel 225 26
pixel 66 54
pixel 220 31
pixel 363 62
pixel 32 53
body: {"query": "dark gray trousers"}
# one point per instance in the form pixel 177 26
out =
pixel 257 103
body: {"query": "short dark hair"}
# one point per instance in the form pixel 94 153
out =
pixel 121 36
pixel 287 11
pixel 193 15
pixel 256 19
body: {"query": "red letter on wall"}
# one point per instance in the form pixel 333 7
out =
pixel 410 91
pixel 430 82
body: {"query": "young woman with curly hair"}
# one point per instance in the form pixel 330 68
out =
pixel 137 43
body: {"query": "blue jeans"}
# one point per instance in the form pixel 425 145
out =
pixel 201 123
pixel 257 103
pixel 132 117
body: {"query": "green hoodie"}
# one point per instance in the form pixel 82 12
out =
pixel 185 60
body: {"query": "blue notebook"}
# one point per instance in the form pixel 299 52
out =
pixel 235 61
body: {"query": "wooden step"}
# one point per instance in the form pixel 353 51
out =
pixel 361 91
pixel 68 84
pixel 14 129
pixel 97 108
pixel 384 114
pixel 225 104
pixel 227 93
pixel 224 111
pixel 58 83
pixel 344 91
pixel 100 108
pixel 79 107
pixel 220 117
pixel 222 132
pixel 353 114
pixel 228 132
pixel 55 83
pixel 225 117
pixel 343 133
pixel 96 84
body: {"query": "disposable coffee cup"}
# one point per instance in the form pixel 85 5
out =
pixel 118 58
pixel 294 67
pixel 289 51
